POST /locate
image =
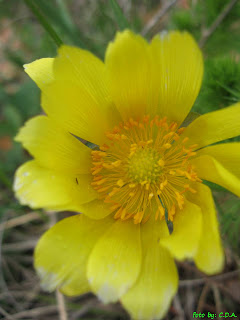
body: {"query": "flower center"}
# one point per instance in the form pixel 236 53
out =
pixel 144 161
pixel 143 165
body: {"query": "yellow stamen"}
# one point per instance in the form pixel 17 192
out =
pixel 120 183
pixel 167 146
pixel 185 139
pixel 145 164
pixel 150 196
pixel 161 162
pixel 132 185
pixel 116 163
pixel 162 212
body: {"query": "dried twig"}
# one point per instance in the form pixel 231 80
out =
pixel 59 297
pixel 5 314
pixel 203 297
pixel 217 299
pixel 158 15
pixel 61 306
pixel 208 32
pixel 31 216
pixel 177 305
pixel 36 313
pixel 85 308
pixel 190 302
pixel 19 246
pixel 197 282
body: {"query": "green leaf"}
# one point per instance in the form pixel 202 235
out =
pixel 32 5
pixel 26 100
pixel 190 118
pixel 13 117
pixel 91 145
pixel 234 93
pixel 60 18
pixel 214 186
pixel 119 15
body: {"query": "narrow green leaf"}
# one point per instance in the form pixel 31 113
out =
pixel 214 186
pixel 59 17
pixel 41 18
pixel 235 93
pixel 119 15
pixel 190 118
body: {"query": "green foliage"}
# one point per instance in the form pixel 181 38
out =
pixel 229 219
pixel 18 107
pixel 33 6
pixel 221 84
pixel 119 15
pixel 210 10
pixel 185 20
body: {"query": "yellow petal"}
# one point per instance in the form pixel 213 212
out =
pixel 85 70
pixel 177 73
pixel 115 261
pixel 210 256
pixel 128 65
pixel 208 168
pixel 62 252
pixel 163 77
pixel 91 101
pixel 187 228
pixel 76 111
pixel 96 209
pixel 151 295
pixel 228 154
pixel 41 71
pixel 39 187
pixel 53 147
pixel 214 126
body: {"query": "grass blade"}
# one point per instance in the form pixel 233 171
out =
pixel 41 18
pixel 119 15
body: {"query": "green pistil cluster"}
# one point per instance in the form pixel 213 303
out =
pixel 143 165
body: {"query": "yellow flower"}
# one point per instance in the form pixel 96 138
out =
pixel 145 166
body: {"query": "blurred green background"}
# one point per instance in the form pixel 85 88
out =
pixel 91 25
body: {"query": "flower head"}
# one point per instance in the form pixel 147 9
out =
pixel 145 171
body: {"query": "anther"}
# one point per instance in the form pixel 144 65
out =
pixel 132 185
pixel 104 189
pixel 167 146
pixel 168 135
pixel 114 207
pixel 171 213
pixel 97 170
pixel 162 212
pixel 120 183
pixel 107 166
pixel 150 196
pixel 98 183
pixel 116 163
pixel 180 130
pixel 147 186
pixel 104 147
pixel 185 139
pixel 161 162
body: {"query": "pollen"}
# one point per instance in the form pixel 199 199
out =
pixel 144 162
